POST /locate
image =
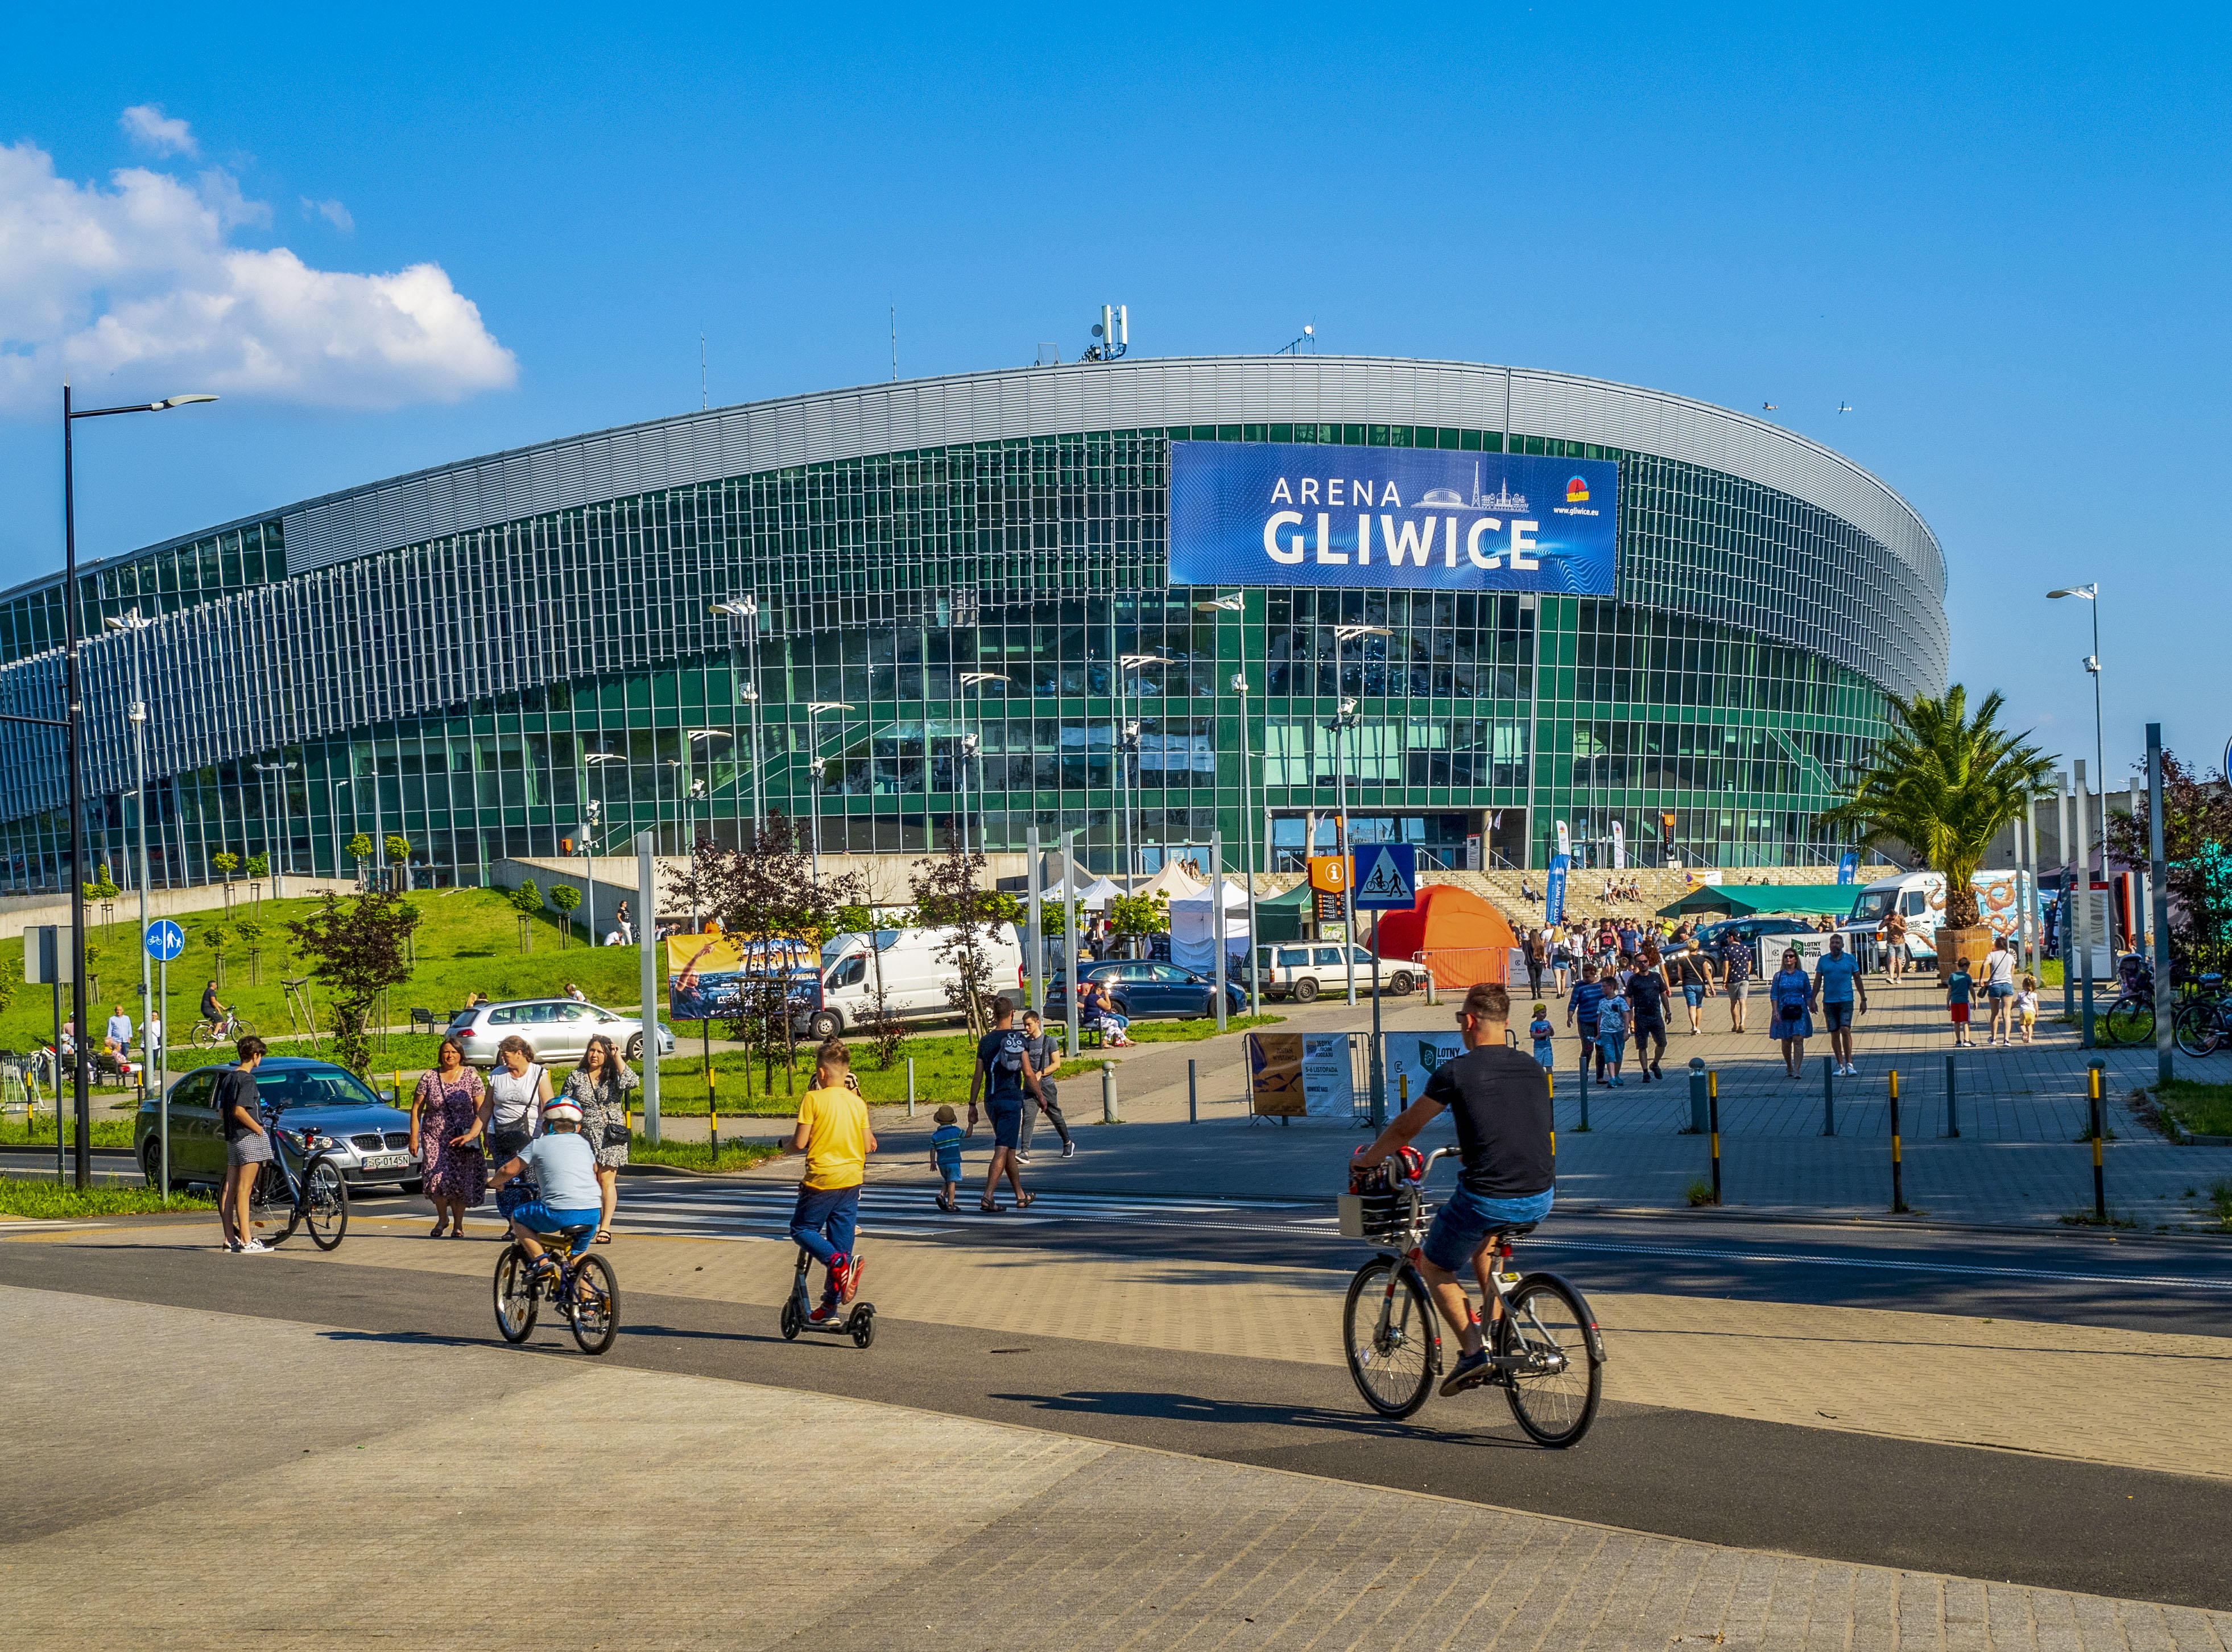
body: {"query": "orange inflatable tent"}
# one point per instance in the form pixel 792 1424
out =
pixel 1458 936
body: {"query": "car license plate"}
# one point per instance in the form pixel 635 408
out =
pixel 387 1161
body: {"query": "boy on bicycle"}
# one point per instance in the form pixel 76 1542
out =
pixel 833 1134
pixel 564 1167
pixel 1500 1100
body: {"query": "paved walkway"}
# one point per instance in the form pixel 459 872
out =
pixel 618 1508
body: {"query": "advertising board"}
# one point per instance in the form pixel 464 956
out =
pixel 1271 513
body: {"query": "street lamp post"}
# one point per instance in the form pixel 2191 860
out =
pixel 81 1094
pixel 744 611
pixel 1349 718
pixel 2090 593
pixel 813 710
pixel 1127 735
pixel 1235 604
pixel 136 627
pixel 599 761
pixel 279 787
pixel 970 744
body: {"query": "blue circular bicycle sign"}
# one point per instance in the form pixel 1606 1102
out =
pixel 166 940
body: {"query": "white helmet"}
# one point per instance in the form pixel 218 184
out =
pixel 561 1109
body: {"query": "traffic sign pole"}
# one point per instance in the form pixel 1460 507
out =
pixel 1391 885
pixel 161 941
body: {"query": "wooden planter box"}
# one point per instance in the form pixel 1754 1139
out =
pixel 1955 944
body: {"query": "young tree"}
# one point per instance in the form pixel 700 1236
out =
pixel 259 868
pixel 949 895
pixel 252 935
pixel 215 938
pixel 103 889
pixel 1139 916
pixel 527 901
pixel 227 863
pixel 2196 836
pixel 355 946
pixel 566 898
pixel 359 849
pixel 1944 783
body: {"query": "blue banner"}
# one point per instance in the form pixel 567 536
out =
pixel 1553 891
pixel 1848 867
pixel 1257 513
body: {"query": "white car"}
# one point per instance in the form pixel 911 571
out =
pixel 1302 970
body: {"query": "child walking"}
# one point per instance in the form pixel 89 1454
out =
pixel 1960 992
pixel 2026 1006
pixel 1612 1036
pixel 1540 1031
pixel 833 1134
pixel 946 1153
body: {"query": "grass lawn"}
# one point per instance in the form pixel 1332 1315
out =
pixel 2205 1109
pixel 51 1201
pixel 697 1155
pixel 106 1132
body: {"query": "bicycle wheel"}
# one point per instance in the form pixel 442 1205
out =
pixel 1394 1344
pixel 2197 1029
pixel 325 1206
pixel 203 1035
pixel 268 1201
pixel 594 1309
pixel 2131 1021
pixel 514 1295
pixel 1555 1398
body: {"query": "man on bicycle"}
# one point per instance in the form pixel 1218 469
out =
pixel 1501 1099
pixel 213 1009
pixel 564 1167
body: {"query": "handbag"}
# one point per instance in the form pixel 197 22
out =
pixel 616 1135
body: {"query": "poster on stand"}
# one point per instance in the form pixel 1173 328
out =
pixel 1411 1059
pixel 1297 1075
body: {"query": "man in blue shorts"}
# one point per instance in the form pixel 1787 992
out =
pixel 1501 1104
pixel 564 1169
pixel 1838 975
pixel 1002 1075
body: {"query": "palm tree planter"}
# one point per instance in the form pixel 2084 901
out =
pixel 1944 784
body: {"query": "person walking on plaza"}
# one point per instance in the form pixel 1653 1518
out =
pixel 2000 990
pixel 1646 994
pixel 833 1133
pixel 119 1031
pixel 1837 978
pixel 1790 1017
pixel 1045 1051
pixel 599 1087
pixel 1586 1007
pixel 1960 989
pixel 1004 1075
pixel 945 1155
pixel 1612 1036
pixel 2027 1007
pixel 1561 958
pixel 247 1147
pixel 1736 975
pixel 446 1136
pixel 626 925
pixel 1892 933
pixel 517 1088
pixel 1537 956
pixel 1693 974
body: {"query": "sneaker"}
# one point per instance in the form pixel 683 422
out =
pixel 1022 1157
pixel 1069 1149
pixel 232 1246
pixel 852 1282
pixel 840 1270
pixel 823 1315
pixel 1470 1371
pixel 256 1247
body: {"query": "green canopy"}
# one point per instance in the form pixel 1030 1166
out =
pixel 1751 900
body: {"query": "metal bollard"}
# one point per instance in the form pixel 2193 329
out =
pixel 1585 1084
pixel 1403 1090
pixel 2099 1134
pixel 1713 1111
pixel 1898 1180
pixel 1698 1101
pixel 1108 1113
pixel 910 1086
pixel 1829 1095
pixel 1193 1091
pixel 1952 1099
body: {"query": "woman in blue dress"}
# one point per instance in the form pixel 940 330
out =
pixel 1790 1005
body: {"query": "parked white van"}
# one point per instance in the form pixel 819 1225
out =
pixel 1921 897
pixel 914 976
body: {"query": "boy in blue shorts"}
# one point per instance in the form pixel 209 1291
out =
pixel 946 1154
pixel 1541 1032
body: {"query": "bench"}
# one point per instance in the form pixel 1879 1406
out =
pixel 424 1021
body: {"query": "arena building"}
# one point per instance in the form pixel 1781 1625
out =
pixel 901 606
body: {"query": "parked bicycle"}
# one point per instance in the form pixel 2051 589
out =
pixel 580 1287
pixel 1545 1348
pixel 312 1197
pixel 2204 1021
pixel 207 1034
pixel 2131 1018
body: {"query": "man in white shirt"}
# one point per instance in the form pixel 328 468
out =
pixel 2000 986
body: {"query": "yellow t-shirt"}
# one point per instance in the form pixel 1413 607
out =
pixel 836 1123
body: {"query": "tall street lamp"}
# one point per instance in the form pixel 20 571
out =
pixel 1235 604
pixel 1348 719
pixel 813 710
pixel 81 1082
pixel 136 627
pixel 970 744
pixel 744 611
pixel 279 786
pixel 599 761
pixel 2081 909
pixel 1127 738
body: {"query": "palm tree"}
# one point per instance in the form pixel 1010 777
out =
pixel 1943 784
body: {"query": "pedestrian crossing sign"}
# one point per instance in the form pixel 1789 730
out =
pixel 1387 877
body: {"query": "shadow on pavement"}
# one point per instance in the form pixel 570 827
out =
pixel 1194 1407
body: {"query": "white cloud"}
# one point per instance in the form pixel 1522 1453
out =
pixel 333 211
pixel 138 286
pixel 148 127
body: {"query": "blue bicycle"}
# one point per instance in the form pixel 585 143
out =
pixel 580 1287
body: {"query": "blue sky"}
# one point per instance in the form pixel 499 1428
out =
pixel 1999 235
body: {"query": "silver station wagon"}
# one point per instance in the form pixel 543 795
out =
pixel 556 1030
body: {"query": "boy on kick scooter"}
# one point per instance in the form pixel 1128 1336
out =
pixel 833 1133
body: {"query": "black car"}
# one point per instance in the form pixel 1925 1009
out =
pixel 1713 937
pixel 371 1139
pixel 1144 989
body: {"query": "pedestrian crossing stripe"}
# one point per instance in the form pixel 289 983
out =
pixel 764 1212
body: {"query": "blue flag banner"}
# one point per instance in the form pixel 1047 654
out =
pixel 1272 513
pixel 1553 892
pixel 1848 867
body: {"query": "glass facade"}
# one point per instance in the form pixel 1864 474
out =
pixel 478 691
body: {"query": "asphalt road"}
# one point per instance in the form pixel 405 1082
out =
pixel 1980 1513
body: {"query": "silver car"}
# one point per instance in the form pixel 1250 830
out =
pixel 556 1030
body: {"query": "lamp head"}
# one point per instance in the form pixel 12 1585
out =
pixel 1232 604
pixel 1240 682
pixel 2090 593
pixel 169 402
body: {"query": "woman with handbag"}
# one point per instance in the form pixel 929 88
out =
pixel 1790 996
pixel 599 1087
pixel 445 1132
pixel 517 1087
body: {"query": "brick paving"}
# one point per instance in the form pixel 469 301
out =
pixel 438 1496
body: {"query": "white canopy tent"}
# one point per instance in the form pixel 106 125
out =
pixel 1193 926
pixel 1173 882
pixel 1091 898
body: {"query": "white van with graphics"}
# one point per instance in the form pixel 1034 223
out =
pixel 915 977
pixel 1920 896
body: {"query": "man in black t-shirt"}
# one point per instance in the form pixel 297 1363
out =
pixel 1003 1073
pixel 1499 1101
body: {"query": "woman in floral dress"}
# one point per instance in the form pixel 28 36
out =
pixel 599 1087
pixel 445 1126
